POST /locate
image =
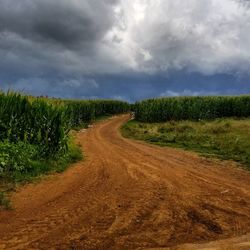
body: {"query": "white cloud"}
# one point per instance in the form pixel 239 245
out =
pixel 208 36
pixel 187 92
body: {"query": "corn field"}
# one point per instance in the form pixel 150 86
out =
pixel 191 108
pixel 80 112
pixel 46 123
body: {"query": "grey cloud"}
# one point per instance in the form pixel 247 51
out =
pixel 57 87
pixel 63 22
pixel 116 36
pixel 63 36
pixel 61 47
pixel 186 92
pixel 203 36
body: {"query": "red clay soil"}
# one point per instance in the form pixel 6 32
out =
pixel 131 195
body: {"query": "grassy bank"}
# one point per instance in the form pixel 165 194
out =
pixel 20 163
pixel 223 138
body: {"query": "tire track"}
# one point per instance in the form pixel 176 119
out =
pixel 130 195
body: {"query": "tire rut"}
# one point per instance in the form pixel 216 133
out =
pixel 130 195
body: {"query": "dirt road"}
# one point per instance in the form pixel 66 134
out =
pixel 130 195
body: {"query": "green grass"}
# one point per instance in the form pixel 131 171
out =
pixel 28 167
pixel 48 166
pixel 223 138
pixel 21 162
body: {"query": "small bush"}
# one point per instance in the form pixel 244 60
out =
pixel 166 129
pixel 219 129
pixel 16 157
pixel 184 128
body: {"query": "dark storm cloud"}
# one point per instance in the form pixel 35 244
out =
pixel 63 22
pixel 60 36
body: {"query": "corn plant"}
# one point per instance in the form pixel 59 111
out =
pixel 46 122
pixel 192 108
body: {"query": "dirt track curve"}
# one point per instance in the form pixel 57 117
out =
pixel 130 195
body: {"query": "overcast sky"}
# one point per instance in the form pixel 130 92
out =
pixel 125 49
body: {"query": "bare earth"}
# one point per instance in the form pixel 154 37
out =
pixel 130 195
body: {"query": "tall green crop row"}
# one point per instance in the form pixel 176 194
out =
pixel 46 123
pixel 80 112
pixel 192 108
pixel 109 107
pixel 37 123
